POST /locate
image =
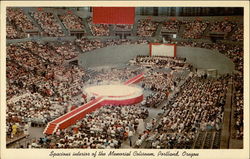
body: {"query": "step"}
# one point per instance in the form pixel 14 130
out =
pixel 203 140
pixel 216 143
pixel 209 140
pixel 51 128
pixel 200 140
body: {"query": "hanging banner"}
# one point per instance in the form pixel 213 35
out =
pixel 113 15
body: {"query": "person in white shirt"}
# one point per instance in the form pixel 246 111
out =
pixel 26 129
pixel 130 135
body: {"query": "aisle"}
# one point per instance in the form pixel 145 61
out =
pixel 153 113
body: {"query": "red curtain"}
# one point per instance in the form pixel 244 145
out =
pixel 113 15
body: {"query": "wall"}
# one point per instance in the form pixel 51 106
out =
pixel 206 59
pixel 112 55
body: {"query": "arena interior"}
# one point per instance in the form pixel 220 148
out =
pixel 116 78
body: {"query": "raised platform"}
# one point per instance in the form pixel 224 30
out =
pixel 112 90
pixel 116 94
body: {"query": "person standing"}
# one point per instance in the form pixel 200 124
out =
pixel 130 135
pixel 26 129
pixel 14 130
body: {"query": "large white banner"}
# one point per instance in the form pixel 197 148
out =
pixel 162 50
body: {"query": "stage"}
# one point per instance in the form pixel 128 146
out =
pixel 116 94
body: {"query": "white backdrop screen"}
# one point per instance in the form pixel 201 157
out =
pixel 162 50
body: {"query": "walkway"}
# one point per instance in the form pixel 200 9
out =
pixel 234 143
pixel 226 130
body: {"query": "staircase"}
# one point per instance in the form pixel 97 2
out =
pixel 228 36
pixel 50 129
pixel 216 143
pixel 206 31
pixel 200 140
pixel 226 128
pixel 134 30
pixel 111 30
pixel 208 140
pixel 65 30
pixel 158 31
pixel 181 30
pixel 87 28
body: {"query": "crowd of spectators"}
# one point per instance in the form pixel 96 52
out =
pixel 38 90
pixel 123 27
pixel 161 61
pixel 20 54
pixel 86 44
pixel 114 42
pixel 72 22
pixel 19 19
pixel 44 105
pixel 39 69
pixel 30 108
pixel 43 90
pixel 194 29
pixel 146 27
pixel 98 29
pixel 197 107
pixel 44 51
pixel 89 45
pixel 66 49
pixel 17 24
pixel 14 72
pixel 104 128
pixel 154 99
pixel 12 33
pixel 181 135
pixel 171 26
pixel 114 75
pixel 48 23
pixel 42 81
pixel 166 81
pixel 238 34
pixel 222 27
